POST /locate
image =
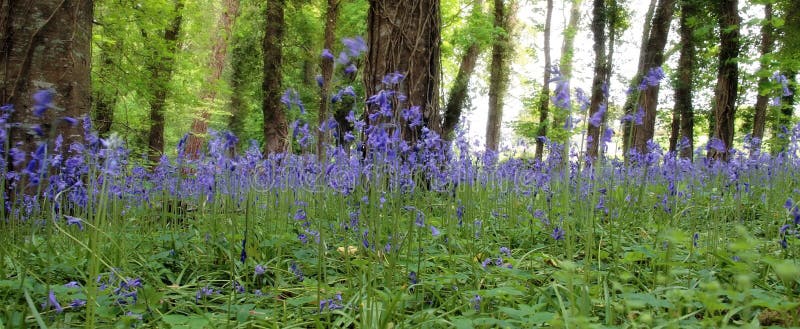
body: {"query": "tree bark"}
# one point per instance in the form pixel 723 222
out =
pixel 565 65
pixel 457 96
pixel 654 57
pixel 762 99
pixel 599 23
pixel 727 76
pixel 498 81
pixel 105 100
pixel 683 125
pixel 404 37
pixel 633 96
pixel 544 97
pixel 219 52
pixel 161 66
pixel 326 67
pixel 276 127
pixel 45 45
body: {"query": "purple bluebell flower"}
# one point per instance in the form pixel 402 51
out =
pixel 435 231
pixel 53 301
pixel 326 54
pixel 77 303
pixel 355 46
pixel 506 251
pixel 412 277
pixel 259 271
pixel 717 145
pixel 695 238
pixel 42 100
pixel 476 302
pixel 74 221
pixel 350 69
pixel 558 234
pixel 72 284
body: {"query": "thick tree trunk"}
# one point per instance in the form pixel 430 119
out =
pixel 611 16
pixel 457 97
pixel 498 81
pixel 599 23
pixel 45 45
pixel 683 86
pixel 219 52
pixel 326 66
pixel 565 65
pixel 276 127
pixel 161 66
pixel 544 97
pixel 633 96
pixel 762 99
pixel 404 37
pixel 727 76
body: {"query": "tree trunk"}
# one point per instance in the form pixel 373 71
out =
pixel 498 81
pixel 104 99
pixel 45 45
pixel 727 76
pixel 633 96
pixel 544 97
pixel 762 99
pixel 276 127
pixel 326 67
pixel 565 65
pixel 404 37
pixel 599 23
pixel 654 57
pixel 161 66
pixel 611 16
pixel 781 127
pixel 458 92
pixel 219 52
pixel 683 86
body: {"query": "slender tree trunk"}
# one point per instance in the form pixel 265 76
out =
pixel 161 67
pixel 457 96
pixel 105 99
pixel 599 23
pixel 565 65
pixel 781 127
pixel 762 99
pixel 727 76
pixel 45 45
pixel 405 37
pixel 683 112
pixel 544 97
pixel 611 17
pixel 654 57
pixel 219 52
pixel 498 81
pixel 276 127
pixel 327 73
pixel 633 96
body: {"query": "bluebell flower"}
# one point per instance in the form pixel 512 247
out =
pixel 74 221
pixel 435 231
pixel 53 301
pixel 77 303
pixel 412 277
pixel 42 100
pixel 506 251
pixel 355 46
pixel 476 302
pixel 558 234
pixel 326 54
pixel 259 271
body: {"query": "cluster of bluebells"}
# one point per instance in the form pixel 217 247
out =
pixel 792 228
pixel 498 262
pixel 331 304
